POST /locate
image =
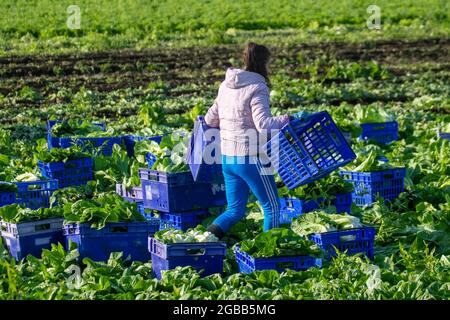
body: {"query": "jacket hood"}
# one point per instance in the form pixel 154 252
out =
pixel 238 78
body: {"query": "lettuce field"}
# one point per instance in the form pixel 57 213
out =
pixel 150 68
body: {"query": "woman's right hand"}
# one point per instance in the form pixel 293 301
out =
pixel 299 116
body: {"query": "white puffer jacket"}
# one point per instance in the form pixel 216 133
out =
pixel 242 107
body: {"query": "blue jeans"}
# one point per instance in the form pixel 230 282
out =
pixel 241 175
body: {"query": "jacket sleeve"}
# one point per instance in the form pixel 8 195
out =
pixel 212 116
pixel 262 117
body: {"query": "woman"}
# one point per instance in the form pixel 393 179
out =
pixel 242 106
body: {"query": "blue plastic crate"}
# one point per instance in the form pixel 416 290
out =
pixel 151 159
pixel 204 162
pixel 7 198
pixel 26 238
pixel 206 257
pixel 308 149
pixel 141 210
pixel 127 237
pixel 55 142
pixel 444 135
pixel 36 194
pixel 343 202
pixel 178 192
pixel 148 214
pixel 130 141
pixel 387 184
pixel 249 264
pixel 352 241
pixel 291 208
pixel 382 133
pixel 133 195
pixel 70 173
pixel 52 142
pixel 183 220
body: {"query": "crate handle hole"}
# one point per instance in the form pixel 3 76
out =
pixel 196 252
pixel 388 176
pixel 285 265
pixel 41 227
pixel 34 187
pixel 347 238
pixel 119 229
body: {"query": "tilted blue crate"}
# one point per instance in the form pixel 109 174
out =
pixel 26 238
pixel 382 133
pixel 387 184
pixel 130 141
pixel 249 264
pixel 204 154
pixel 308 149
pixel 127 237
pixel 132 195
pixel 182 220
pixel 36 194
pixel 70 173
pixel 205 257
pixel 351 241
pixel 177 192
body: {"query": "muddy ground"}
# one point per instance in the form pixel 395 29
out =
pixel 112 70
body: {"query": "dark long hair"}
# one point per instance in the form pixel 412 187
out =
pixel 256 57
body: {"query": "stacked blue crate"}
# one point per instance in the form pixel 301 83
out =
pixel 26 238
pixel 127 237
pixel 205 257
pixel 249 264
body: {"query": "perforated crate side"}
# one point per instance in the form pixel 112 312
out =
pixel 307 150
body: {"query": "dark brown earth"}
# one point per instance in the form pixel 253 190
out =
pixel 112 70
